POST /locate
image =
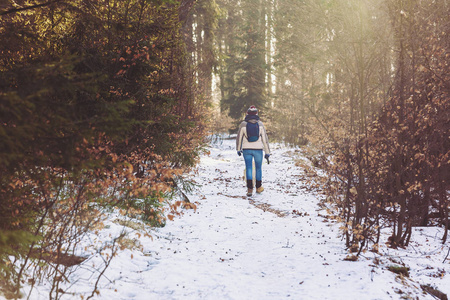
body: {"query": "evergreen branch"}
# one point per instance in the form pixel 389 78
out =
pixel 30 7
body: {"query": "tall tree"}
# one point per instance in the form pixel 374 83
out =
pixel 206 22
pixel 299 36
pixel 246 58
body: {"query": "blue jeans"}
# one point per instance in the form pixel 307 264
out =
pixel 249 155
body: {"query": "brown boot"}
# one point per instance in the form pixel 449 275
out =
pixel 259 188
pixel 249 187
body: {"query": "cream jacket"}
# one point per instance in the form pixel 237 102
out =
pixel 261 143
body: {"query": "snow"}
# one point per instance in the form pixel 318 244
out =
pixel 275 245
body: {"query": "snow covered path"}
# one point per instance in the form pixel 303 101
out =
pixel 276 245
pixel 232 249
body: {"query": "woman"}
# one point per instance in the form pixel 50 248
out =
pixel 251 141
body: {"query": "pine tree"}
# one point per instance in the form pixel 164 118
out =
pixel 244 70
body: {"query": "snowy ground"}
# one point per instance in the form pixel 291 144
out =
pixel 276 245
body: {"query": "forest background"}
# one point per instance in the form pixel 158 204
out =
pixel 104 105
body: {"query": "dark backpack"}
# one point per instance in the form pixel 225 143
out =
pixel 252 131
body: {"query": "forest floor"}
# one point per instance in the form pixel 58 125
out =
pixel 274 245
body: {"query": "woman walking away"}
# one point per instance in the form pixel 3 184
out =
pixel 250 141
